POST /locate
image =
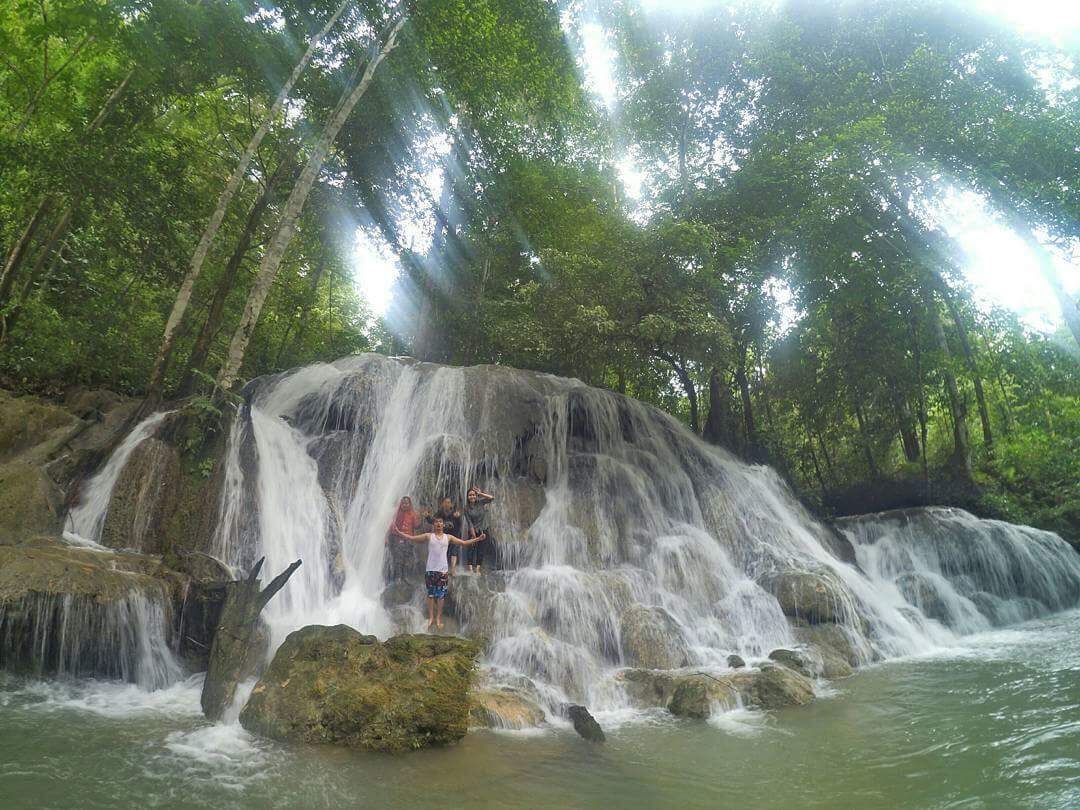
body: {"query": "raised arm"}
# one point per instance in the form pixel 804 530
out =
pixel 457 541
pixel 482 496
pixel 415 538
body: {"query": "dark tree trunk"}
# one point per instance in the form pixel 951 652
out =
pixel 234 637
pixel 867 445
pixel 200 352
pixel 305 312
pixel 691 394
pixel 22 246
pixel 718 424
pixel 957 406
pixel 973 367
pixel 743 382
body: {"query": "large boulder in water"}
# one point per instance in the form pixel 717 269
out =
pixel 650 638
pixel 812 596
pixel 334 685
pixel 30 503
pixel 830 647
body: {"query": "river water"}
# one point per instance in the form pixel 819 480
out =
pixel 993 722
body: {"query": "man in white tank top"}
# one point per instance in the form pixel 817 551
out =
pixel 437 576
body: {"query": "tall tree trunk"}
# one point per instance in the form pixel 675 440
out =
pixel 22 246
pixel 747 403
pixel 305 312
pixel 688 386
pixel 718 422
pixel 904 420
pixel 867 445
pixel 200 352
pixel 275 252
pixel 957 406
pixel 973 366
pixel 232 185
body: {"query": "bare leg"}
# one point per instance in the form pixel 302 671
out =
pixel 431 610
pixel 438 622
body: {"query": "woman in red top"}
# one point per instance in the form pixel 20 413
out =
pixel 406 521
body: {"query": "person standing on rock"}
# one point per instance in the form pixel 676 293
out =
pixel 476 524
pixel 436 576
pixel 451 523
pixel 406 521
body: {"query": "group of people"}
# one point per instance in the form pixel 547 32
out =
pixel 451 531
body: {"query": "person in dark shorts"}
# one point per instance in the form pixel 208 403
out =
pixel 451 524
pixel 436 576
pixel 475 524
pixel 406 521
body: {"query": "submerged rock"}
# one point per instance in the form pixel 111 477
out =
pixel 334 685
pixel 503 707
pixel 698 694
pixel 585 724
pixel 651 638
pixel 736 661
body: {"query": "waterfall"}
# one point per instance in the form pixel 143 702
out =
pixel 609 517
pixel 966 573
pixel 81 635
pixel 86 519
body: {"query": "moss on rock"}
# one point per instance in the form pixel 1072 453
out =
pixel 334 685
pixel 30 503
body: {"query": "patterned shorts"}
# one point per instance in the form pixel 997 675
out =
pixel 438 584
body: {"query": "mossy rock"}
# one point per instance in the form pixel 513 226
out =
pixel 45 565
pixel 334 685
pixel 30 503
pixel 28 422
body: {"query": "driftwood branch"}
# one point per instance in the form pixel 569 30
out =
pixel 235 637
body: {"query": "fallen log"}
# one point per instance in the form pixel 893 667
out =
pixel 235 635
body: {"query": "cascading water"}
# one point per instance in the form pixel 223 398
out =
pixel 608 514
pixel 84 522
pixel 117 622
pixel 966 573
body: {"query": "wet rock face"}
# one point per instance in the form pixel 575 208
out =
pixel 813 597
pixel 143 495
pixel 651 639
pixel 28 424
pixel 334 685
pixel 919 591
